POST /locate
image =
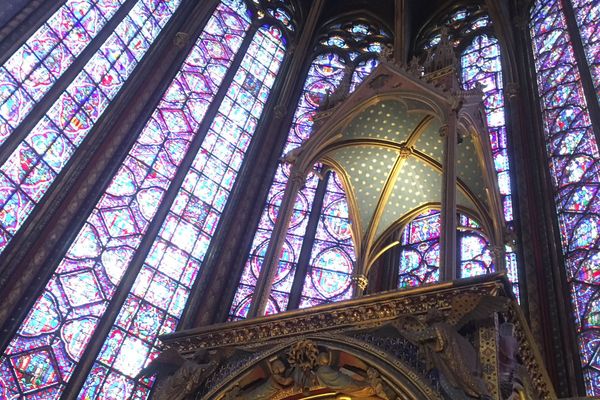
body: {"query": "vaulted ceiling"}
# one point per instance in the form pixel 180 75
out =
pixel 385 182
pixel 419 11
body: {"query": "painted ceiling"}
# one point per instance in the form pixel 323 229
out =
pixel 385 185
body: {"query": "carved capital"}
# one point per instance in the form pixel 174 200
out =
pixel 443 130
pixel 181 39
pixel 297 177
pixel 456 102
pixel 497 251
pixel 512 90
pixel 361 281
pixel 279 111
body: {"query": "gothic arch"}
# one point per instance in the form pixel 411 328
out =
pixel 396 374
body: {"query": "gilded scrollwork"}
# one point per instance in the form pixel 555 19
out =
pixel 443 321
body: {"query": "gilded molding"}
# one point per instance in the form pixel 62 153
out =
pixel 338 321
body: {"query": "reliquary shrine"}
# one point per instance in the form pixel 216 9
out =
pixel 406 141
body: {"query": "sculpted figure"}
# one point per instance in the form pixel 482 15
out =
pixel 184 382
pixel 347 385
pixel 278 380
pixel 179 377
pixel 446 350
pixel 333 378
pixel 452 355
pixel 382 390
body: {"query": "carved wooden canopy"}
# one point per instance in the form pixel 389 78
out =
pixel 382 346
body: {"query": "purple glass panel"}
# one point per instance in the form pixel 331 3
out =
pixel 362 70
pixel 476 257
pixel 574 162
pixel 481 64
pixel 331 264
pixel 420 250
pixel 61 322
pixel 34 165
pixel 325 74
pixel 36 66
pixel 587 15
pixel 159 295
pixel 283 16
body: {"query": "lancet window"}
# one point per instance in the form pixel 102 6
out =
pixel 126 276
pixel 566 53
pixel 317 259
pixel 471 31
pixel 32 158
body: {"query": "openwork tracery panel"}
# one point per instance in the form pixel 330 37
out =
pixel 56 333
pixel 574 163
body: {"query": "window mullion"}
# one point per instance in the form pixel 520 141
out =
pixel 103 329
pixel 42 107
pixel 24 23
pixel 302 268
pixel 584 72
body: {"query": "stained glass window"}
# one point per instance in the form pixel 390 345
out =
pixel 44 352
pixel 587 15
pixel 329 276
pixel 462 25
pixel 327 72
pixel 159 295
pixel 574 161
pixel 481 65
pixel 420 250
pixel 37 161
pixel 471 32
pixel 36 66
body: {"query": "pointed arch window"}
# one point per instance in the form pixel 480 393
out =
pixel 481 65
pixel 347 53
pixel 471 31
pixel 126 277
pixel 33 159
pixel 566 54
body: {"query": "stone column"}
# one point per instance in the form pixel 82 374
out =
pixel 448 213
pixel 400 29
pixel 262 290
